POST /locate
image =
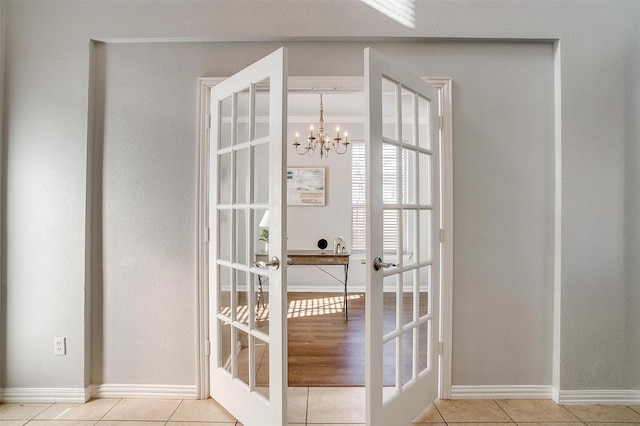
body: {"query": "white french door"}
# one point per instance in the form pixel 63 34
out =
pixel 247 317
pixel 402 193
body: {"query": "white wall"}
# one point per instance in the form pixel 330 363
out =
pixel 148 182
pixel 308 224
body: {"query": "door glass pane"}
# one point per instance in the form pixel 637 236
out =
pixel 262 367
pixel 262 303
pixel 261 230
pixel 424 130
pixel 408 119
pixel 424 307
pixel 390 236
pixel 225 345
pixel 224 178
pixel 409 236
pixel 408 280
pixel 224 291
pixel 225 123
pixel 389 109
pixel 240 236
pixel 224 236
pixel 426 233
pixel 242 176
pixel 390 164
pixel 261 297
pixel 407 356
pixel 390 304
pixel 243 355
pixel 261 174
pixel 242 297
pixel 424 167
pixel 423 346
pixel 243 118
pixel 389 366
pixel 408 176
pixel 262 109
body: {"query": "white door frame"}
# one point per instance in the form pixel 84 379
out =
pixel 444 86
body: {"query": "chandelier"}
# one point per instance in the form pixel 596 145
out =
pixel 322 142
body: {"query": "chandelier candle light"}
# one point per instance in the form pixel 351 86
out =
pixel 322 141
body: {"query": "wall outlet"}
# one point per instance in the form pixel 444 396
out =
pixel 60 345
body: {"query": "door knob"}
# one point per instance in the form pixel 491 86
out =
pixel 379 264
pixel 274 263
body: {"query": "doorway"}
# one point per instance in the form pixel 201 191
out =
pixel 347 92
pixel 203 210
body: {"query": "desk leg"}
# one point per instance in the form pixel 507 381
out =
pixel 346 307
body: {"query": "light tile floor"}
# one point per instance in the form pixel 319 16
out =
pixel 317 407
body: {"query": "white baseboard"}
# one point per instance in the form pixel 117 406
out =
pixel 563 397
pixel 501 392
pixel 600 397
pixel 144 391
pixel 45 395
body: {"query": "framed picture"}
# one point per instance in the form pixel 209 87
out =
pixel 305 186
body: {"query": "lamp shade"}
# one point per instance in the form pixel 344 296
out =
pixel 264 222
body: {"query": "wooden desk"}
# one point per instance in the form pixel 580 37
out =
pixel 315 258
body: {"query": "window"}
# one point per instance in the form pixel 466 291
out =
pixel 358 169
pixel 389 190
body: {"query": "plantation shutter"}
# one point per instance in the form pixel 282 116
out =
pixel 389 189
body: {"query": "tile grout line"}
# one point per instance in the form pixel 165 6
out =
pixel 306 411
pixel 573 414
pixel 108 411
pixel 438 410
pixel 504 411
pixel 40 412
pixel 174 411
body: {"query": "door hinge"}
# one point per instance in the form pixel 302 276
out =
pixel 207 347
pixel 208 119
pixel 441 122
pixel 441 235
pixel 440 348
pixel 207 235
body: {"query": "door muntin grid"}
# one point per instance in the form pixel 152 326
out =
pixel 407 351
pixel 242 317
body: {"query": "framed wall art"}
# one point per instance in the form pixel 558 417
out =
pixel 306 186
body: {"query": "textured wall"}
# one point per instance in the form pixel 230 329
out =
pixel 46 85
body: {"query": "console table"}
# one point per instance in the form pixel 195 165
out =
pixel 315 258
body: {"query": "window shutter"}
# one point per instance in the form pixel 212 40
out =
pixel 389 190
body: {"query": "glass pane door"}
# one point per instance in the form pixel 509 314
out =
pixel 246 216
pixel 402 248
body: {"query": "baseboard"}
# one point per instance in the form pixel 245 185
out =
pixel 144 391
pixel 44 395
pixel 501 392
pixel 600 397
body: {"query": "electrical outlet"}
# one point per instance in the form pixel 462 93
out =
pixel 60 345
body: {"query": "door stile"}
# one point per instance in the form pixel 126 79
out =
pixel 374 219
pixel 278 205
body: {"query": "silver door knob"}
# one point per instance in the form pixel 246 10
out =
pixel 379 264
pixel 273 263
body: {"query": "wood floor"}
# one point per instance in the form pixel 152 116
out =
pixel 324 349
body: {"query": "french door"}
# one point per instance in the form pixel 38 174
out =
pixel 402 278
pixel 247 318
pixel 247 309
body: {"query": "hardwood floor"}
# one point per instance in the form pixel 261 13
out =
pixel 324 349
